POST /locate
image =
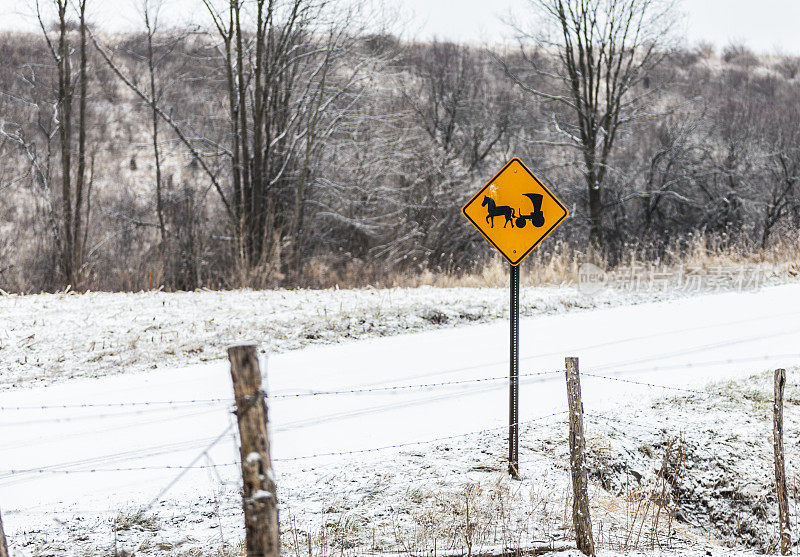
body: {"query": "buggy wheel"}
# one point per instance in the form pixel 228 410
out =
pixel 537 220
pixel 520 222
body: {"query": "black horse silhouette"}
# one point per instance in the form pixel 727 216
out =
pixel 496 211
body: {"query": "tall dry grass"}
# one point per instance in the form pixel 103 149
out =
pixel 560 263
pixel 553 263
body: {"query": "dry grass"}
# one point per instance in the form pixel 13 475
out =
pixel 554 263
pixel 560 264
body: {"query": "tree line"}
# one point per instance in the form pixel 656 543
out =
pixel 287 143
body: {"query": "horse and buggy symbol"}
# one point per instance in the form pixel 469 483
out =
pixel 536 217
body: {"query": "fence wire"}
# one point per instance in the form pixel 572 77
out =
pixel 95 464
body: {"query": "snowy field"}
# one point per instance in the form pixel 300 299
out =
pixel 117 431
pixel 48 337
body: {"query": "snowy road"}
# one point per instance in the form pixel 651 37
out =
pixel 103 458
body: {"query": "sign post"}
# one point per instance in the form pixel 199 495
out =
pixel 513 375
pixel 514 211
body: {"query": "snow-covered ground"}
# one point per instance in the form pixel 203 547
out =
pixel 47 337
pixel 386 469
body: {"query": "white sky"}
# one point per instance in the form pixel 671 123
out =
pixel 767 26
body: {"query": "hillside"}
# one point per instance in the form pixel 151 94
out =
pixel 415 128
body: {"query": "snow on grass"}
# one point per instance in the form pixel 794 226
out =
pixel 60 336
pixel 682 475
pixel 679 472
pixel 49 336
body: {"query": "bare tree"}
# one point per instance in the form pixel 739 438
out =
pixel 310 153
pixel 661 183
pixel 284 99
pixel 466 112
pixel 781 144
pixel 150 10
pixel 455 100
pixel 45 134
pixel 70 234
pixel 160 52
pixel 595 69
pixel 281 61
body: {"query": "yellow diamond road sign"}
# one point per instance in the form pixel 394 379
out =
pixel 515 211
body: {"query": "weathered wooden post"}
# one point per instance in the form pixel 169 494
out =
pixel 3 544
pixel 577 448
pixel 780 468
pixel 259 498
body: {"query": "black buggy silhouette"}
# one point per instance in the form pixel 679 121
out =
pixel 537 216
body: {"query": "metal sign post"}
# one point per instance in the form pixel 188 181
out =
pixel 514 211
pixel 513 399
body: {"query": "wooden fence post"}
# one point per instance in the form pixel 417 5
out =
pixel 577 447
pixel 259 497
pixel 3 545
pixel 780 468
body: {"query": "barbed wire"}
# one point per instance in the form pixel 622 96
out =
pixel 103 416
pixel 159 404
pixel 680 499
pixel 57 470
pixel 164 405
pixel 412 386
pixel 681 330
pixel 676 366
pixel 32 441
pixel 213 401
pixel 589 374
pixel 119 404
pixel 702 363
pixel 699 349
pixel 411 443
pixel 477 380
pixel 190 466
pixel 645 384
pixel 177 404
pixel 16 472
pixel 123 456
